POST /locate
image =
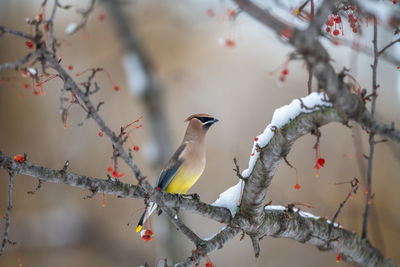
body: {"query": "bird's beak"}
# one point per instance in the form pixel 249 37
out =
pixel 209 123
pixel 214 121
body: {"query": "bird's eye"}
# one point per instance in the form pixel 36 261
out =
pixel 204 119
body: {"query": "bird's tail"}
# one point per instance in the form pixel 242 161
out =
pixel 146 214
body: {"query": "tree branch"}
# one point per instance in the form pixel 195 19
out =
pixel 111 187
pixel 8 213
pixel 251 213
pixel 18 63
pixel 14 32
pixel 317 58
pixel 322 234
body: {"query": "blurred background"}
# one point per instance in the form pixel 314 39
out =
pixel 195 73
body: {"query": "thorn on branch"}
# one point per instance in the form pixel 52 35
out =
pixel 37 188
pixel 141 179
pixel 94 191
pixel 65 166
pixel 242 236
pixel 99 105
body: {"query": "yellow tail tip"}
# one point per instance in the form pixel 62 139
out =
pixel 138 228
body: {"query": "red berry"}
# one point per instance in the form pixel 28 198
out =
pixel 29 44
pixel 338 19
pixel 209 264
pixel 256 139
pixel 338 258
pixel 297 186
pixel 354 30
pixel 147 235
pixel 101 17
pixel 19 158
pixel 285 72
pixel 352 7
pixel 321 162
pixel 328 29
pixel 336 32
pixel 286 32
pixel 100 133
pixel 230 43
pixel 115 174
pixel 26 85
pixel 210 12
pixel 35 92
pixel 116 87
pixel 136 148
pixel 70 67
pixel 109 169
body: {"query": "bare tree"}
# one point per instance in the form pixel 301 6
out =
pixel 339 100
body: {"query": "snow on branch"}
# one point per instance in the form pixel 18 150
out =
pixel 283 116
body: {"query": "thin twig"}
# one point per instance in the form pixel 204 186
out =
pixel 354 187
pixel 85 16
pixel 364 231
pixel 18 63
pixel 15 32
pixel 37 188
pixel 388 46
pixel 8 212
pixel 51 26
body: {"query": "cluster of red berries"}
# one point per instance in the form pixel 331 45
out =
pixel 114 173
pixel 146 234
pixel 334 25
pixel 353 20
pixel 284 74
pixel 19 158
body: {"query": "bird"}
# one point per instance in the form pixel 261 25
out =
pixel 187 163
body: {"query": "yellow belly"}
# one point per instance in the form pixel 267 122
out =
pixel 183 181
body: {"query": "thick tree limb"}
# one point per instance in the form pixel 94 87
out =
pixel 251 213
pixel 111 187
pixel 322 234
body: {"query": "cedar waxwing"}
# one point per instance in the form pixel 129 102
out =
pixel 186 164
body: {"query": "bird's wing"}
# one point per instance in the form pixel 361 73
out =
pixel 171 169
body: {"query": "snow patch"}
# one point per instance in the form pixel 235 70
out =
pixel 283 116
pixel 381 9
pixel 71 28
pixel 304 214
pixel 230 198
